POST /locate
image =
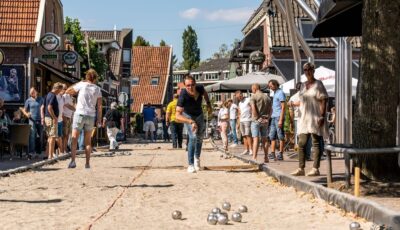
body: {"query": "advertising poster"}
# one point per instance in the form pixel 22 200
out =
pixel 12 83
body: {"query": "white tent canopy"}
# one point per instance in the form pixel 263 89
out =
pixel 244 82
pixel 327 76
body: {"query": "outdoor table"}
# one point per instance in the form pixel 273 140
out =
pixel 349 151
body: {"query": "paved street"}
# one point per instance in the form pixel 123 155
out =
pixel 139 191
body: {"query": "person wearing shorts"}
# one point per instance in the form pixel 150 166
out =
pixel 244 114
pixel 148 127
pixel 89 95
pixel 51 113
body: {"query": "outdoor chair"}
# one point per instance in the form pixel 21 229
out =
pixel 19 137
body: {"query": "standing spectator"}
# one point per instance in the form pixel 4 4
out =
pixel 294 105
pixel 164 126
pixel 69 108
pixel 114 122
pixel 245 122
pixel 51 113
pixel 176 127
pixel 32 112
pixel 277 119
pixel 261 112
pixel 313 100
pixel 223 119
pixel 89 95
pixel 189 111
pixel 149 115
pixel 60 136
pixel 233 111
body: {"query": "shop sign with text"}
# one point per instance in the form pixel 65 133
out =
pixel 50 41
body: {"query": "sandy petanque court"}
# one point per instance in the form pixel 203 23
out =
pixel 140 191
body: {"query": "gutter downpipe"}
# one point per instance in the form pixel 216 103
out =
pixel 293 38
pixel 29 70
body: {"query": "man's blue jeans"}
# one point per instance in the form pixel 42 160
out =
pixel 176 134
pixel 233 130
pixel 36 130
pixel 195 139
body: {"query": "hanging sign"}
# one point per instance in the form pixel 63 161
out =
pixel 50 41
pixel 257 57
pixel 70 57
pixel 2 57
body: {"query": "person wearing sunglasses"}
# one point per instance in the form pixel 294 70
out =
pixel 189 111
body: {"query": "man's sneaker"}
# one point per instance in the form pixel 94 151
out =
pixel 245 152
pixel 313 172
pixel 271 156
pixel 87 166
pixel 72 165
pixel 280 157
pixel 233 145
pixel 197 164
pixel 191 169
pixel 298 172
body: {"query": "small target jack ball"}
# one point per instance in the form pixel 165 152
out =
pixel 176 215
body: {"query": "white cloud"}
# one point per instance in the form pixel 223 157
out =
pixel 191 13
pixel 230 15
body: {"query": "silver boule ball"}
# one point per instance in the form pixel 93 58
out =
pixel 176 215
pixel 222 219
pixel 226 206
pixel 216 210
pixel 243 208
pixel 212 219
pixel 237 217
pixel 224 214
pixel 355 226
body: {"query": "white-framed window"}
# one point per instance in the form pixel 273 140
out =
pixel 177 78
pixel 226 75
pixel 306 28
pixel 126 56
pixel 215 97
pixel 197 77
pixel 154 80
pixel 134 81
pixel 211 76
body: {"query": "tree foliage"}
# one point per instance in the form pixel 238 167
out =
pixel 163 43
pixel 225 51
pixel 191 51
pixel 140 41
pixel 97 61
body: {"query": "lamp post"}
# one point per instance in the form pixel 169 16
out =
pixel 69 36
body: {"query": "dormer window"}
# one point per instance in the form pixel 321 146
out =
pixel 306 29
pixel 154 80
pixel 134 81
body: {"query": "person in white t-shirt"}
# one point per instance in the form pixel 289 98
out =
pixel 68 111
pixel 233 111
pixel 245 122
pixel 223 123
pixel 89 95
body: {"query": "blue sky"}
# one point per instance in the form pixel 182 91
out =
pixel 215 21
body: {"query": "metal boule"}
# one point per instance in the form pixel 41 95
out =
pixel 224 214
pixel 355 226
pixel 216 210
pixel 176 215
pixel 226 206
pixel 237 217
pixel 212 219
pixel 222 219
pixel 243 208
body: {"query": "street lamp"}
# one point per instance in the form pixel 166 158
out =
pixel 69 36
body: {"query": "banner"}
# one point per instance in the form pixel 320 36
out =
pixel 12 83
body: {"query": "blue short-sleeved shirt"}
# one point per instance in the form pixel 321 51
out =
pixel 149 114
pixel 191 105
pixel 32 106
pixel 279 97
pixel 51 99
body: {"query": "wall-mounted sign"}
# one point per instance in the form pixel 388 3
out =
pixel 2 57
pixel 123 98
pixel 50 41
pixel 49 56
pixel 257 57
pixel 70 57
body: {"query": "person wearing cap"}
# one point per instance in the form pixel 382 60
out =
pixel 89 96
pixel 114 122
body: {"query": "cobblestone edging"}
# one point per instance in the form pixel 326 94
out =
pixel 365 208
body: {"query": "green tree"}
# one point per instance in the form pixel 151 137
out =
pixel 163 43
pixel 378 90
pixel 225 51
pixel 97 61
pixel 140 41
pixel 191 51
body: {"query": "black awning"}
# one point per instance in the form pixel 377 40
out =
pixel 339 18
pixel 252 42
pixel 286 67
pixel 64 76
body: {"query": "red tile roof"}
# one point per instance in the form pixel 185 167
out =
pixel 148 62
pixel 18 20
